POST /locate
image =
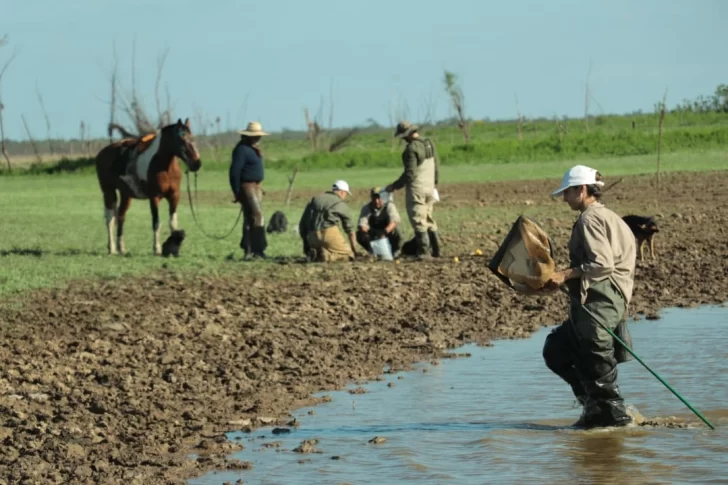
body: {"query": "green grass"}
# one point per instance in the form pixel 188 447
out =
pixel 492 144
pixel 53 227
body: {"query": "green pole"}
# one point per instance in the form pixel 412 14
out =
pixel 697 413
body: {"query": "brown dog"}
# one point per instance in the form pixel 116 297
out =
pixel 644 230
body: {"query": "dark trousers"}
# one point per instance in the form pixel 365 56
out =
pixel 254 239
pixel 364 239
pixel 582 353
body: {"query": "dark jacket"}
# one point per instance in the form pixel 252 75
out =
pixel 246 166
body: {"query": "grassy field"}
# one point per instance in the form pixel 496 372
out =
pixel 53 226
pixel 491 143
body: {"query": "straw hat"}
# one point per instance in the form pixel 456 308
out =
pixel 254 129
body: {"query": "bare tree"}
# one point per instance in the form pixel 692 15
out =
pixel 458 102
pixel 163 116
pixel 314 130
pixel 131 103
pixel 520 119
pixel 659 136
pixel 46 117
pixel 586 98
pixel 32 140
pixel 3 148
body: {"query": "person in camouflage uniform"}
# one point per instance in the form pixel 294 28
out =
pixel 420 179
pixel 319 222
pixel 379 219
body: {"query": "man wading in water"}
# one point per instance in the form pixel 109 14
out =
pixel 600 279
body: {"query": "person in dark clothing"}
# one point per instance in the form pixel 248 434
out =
pixel 246 177
pixel 379 219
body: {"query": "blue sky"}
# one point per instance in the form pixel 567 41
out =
pixel 283 55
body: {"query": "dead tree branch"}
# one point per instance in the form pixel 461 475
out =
pixel 3 147
pixel 122 130
pixel 586 97
pixel 46 117
pixel 342 139
pixel 659 138
pixel 520 120
pixel 291 180
pixel 163 116
pixel 38 157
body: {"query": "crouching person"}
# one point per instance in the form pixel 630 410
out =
pixel 377 220
pixel 319 223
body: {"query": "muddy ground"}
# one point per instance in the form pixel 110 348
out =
pixel 119 382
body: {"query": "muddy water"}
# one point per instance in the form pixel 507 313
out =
pixel 500 417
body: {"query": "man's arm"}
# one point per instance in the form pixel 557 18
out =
pixel 600 261
pixel 364 218
pixel 409 159
pixel 235 170
pixel 394 218
pixel 344 213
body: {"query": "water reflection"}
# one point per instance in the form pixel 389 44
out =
pixel 502 417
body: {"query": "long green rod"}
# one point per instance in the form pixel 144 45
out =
pixel 697 413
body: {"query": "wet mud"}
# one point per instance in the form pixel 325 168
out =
pixel 135 381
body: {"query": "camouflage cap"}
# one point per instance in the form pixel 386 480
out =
pixel 404 128
pixel 376 192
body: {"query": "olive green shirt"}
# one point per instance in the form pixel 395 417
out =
pixel 414 154
pixel 324 211
pixel 603 247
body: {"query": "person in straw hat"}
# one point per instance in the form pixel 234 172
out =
pixel 600 279
pixel 246 177
pixel 420 179
pixel 319 229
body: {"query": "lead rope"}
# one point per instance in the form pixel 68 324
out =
pixel 194 215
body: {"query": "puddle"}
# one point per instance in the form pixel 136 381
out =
pixel 500 416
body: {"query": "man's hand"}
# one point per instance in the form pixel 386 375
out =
pixel 558 278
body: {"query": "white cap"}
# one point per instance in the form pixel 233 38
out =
pixel 341 185
pixel 578 175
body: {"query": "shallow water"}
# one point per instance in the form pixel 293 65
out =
pixel 501 417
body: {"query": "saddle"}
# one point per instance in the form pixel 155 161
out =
pixel 125 165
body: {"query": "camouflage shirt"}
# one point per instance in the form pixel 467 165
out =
pixel 324 211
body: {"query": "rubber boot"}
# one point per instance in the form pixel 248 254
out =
pixel 590 413
pixel 246 242
pixel 423 245
pixel 434 243
pixel 258 242
pixel 611 410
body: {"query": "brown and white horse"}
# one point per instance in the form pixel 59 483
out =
pixel 150 172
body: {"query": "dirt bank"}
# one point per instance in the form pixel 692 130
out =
pixel 117 382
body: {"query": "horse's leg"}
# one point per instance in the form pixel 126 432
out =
pixel 154 206
pixel 173 200
pixel 121 216
pixel 110 216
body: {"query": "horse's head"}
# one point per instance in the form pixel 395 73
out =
pixel 183 145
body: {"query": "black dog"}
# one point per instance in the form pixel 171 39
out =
pixel 173 243
pixel 278 223
pixel 644 229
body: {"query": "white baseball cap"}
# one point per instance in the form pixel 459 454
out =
pixel 578 175
pixel 341 185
